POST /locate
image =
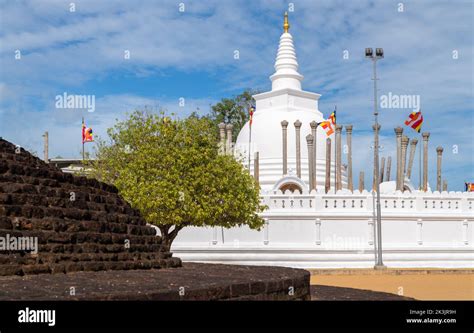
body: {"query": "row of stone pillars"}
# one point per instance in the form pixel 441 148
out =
pixel 226 144
pixel 312 154
pixel 227 147
pixel 405 168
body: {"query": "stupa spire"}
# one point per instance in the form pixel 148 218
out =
pixel 286 74
pixel 286 25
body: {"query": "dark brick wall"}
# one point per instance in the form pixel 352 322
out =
pixel 87 234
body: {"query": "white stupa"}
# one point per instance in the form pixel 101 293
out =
pixel 315 229
pixel 286 101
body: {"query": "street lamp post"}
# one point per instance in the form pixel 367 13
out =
pixel 369 53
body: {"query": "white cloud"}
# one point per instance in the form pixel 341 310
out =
pixel 65 51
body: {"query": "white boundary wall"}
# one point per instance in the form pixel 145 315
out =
pixel 315 230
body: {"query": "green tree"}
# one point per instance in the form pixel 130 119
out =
pixel 233 110
pixel 172 172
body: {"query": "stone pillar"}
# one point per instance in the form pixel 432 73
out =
pixel 361 181
pixel 439 150
pixel 327 185
pixel 222 135
pixel 426 136
pixel 297 124
pixel 404 155
pixel 338 157
pixel 376 171
pixel 284 126
pixel 229 128
pixel 46 147
pixel 445 185
pixel 350 183
pixel 382 169
pixel 256 166
pixel 405 159
pixel 412 156
pixel 309 141
pixel 314 133
pixel 389 168
pixel 398 133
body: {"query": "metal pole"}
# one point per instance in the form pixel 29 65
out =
pixel 335 145
pixel 327 181
pixel 250 140
pixel 379 264
pixel 420 163
pixel 46 147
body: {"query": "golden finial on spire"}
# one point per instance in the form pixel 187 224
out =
pixel 286 25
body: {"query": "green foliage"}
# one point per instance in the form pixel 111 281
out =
pixel 234 111
pixel 171 171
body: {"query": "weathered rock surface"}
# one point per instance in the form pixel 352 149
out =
pixel 80 224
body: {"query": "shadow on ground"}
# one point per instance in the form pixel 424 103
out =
pixel 330 293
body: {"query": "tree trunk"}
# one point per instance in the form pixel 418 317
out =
pixel 167 236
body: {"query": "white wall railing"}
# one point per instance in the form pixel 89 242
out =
pixel 346 201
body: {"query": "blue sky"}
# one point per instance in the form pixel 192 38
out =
pixel 190 54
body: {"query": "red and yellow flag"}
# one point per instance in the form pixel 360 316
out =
pixel 86 134
pixel 415 120
pixel 332 118
pixel 469 187
pixel 251 111
pixel 329 124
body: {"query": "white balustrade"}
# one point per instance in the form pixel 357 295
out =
pixel 345 201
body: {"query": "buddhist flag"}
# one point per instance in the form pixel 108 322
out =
pixel 415 119
pixel 332 118
pixel 251 111
pixel 86 133
pixel 327 126
pixel 469 187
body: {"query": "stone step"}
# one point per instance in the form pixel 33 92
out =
pixel 67 267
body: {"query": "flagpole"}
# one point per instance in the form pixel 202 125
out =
pixel 335 149
pixel 250 140
pixel 335 152
pixel 82 129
